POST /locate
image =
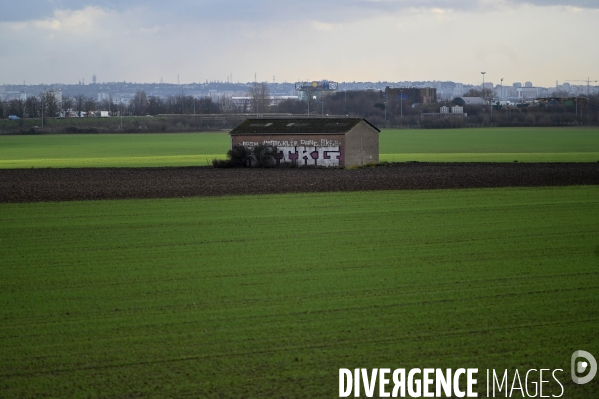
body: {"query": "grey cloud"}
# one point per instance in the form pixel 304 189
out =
pixel 268 11
pixel 25 10
pixel 574 3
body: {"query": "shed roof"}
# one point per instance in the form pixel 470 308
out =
pixel 298 126
pixel 473 100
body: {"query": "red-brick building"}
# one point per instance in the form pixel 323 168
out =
pixel 333 142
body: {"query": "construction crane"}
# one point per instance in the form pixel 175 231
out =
pixel 588 80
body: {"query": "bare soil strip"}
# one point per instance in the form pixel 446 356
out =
pixel 34 185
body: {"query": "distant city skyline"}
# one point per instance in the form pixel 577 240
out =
pixel 487 84
pixel 384 40
pixel 124 91
pixel 424 83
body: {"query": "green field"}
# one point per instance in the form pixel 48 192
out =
pixel 112 150
pixel 268 296
pixel 449 145
pixel 491 145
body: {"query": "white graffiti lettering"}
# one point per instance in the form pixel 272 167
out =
pixel 329 143
pixel 310 155
pixel 284 143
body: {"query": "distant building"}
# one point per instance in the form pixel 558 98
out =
pixel 528 93
pixel 444 114
pixel 57 93
pixel 456 109
pixel 334 142
pixel 244 103
pixel 458 90
pixel 502 91
pixel 528 84
pixel 461 101
pixel 517 85
pixel 578 101
pixel 103 96
pixel 414 95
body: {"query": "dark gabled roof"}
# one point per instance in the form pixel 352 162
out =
pixel 298 126
pixel 472 100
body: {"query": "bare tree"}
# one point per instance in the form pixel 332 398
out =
pixel 107 104
pixel 89 104
pixel 50 105
pixel 155 105
pixel 205 105
pixel 172 104
pixel 292 106
pixel 33 107
pixel 139 103
pixel 485 94
pixel 16 106
pixel 260 97
pixel 187 105
pixel 225 104
pixel 79 102
pixel 67 104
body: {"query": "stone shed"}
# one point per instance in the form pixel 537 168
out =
pixel 334 142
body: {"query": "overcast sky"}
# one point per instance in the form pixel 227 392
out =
pixel 52 41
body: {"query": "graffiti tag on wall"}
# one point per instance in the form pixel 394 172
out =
pixel 310 155
pixel 322 152
pixel 294 143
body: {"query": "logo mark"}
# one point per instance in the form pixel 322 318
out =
pixel 579 367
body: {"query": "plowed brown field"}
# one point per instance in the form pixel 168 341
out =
pixel 30 185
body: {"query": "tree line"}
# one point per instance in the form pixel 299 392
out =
pixel 371 105
pixel 48 105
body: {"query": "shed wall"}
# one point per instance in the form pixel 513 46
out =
pixel 300 149
pixel 362 145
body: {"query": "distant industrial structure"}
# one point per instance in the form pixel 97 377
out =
pixel 413 95
pixel 445 112
pixel 415 92
pixel 314 90
pixel 57 93
pixel 244 103
pixel 316 86
pixel 455 110
pixel 104 96
pixel 469 101
pixel 517 93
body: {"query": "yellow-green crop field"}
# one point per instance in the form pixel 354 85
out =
pixel 193 149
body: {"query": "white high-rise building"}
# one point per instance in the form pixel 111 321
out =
pixel 57 95
pixel 103 96
pixel 528 93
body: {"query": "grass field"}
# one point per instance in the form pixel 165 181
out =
pixel 27 123
pixel 451 145
pixel 268 296
pixel 112 150
pixel 491 145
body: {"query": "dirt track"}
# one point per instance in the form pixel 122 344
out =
pixel 30 185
